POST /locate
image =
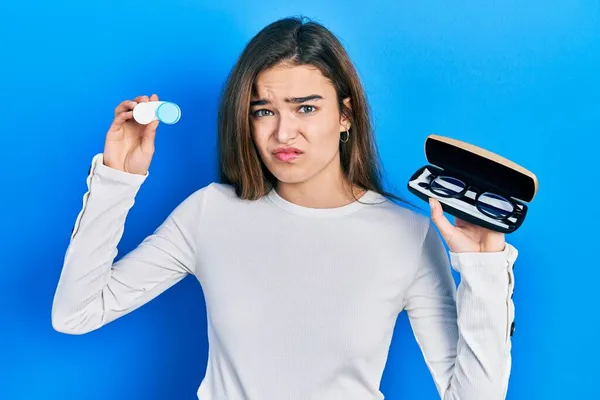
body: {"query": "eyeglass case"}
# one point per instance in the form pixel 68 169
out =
pixel 480 168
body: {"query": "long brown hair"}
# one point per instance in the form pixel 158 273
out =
pixel 294 42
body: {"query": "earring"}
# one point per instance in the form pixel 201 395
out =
pixel 347 136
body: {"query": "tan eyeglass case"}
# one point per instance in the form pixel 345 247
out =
pixel 483 172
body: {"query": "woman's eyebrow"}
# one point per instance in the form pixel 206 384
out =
pixel 297 100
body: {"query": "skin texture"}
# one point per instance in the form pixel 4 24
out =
pixel 315 178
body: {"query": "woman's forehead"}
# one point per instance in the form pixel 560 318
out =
pixel 284 81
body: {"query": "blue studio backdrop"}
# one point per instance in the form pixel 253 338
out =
pixel 518 78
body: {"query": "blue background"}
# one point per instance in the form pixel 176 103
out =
pixel 518 78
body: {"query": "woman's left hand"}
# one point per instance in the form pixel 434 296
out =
pixel 465 236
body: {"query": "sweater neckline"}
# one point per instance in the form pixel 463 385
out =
pixel 365 200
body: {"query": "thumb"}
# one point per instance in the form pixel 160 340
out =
pixel 437 215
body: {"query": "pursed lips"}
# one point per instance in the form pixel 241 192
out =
pixel 287 153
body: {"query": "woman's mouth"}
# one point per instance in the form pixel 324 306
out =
pixel 287 155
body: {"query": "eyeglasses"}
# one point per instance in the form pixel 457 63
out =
pixel 490 204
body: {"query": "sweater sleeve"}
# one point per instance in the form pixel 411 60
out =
pixel 92 290
pixel 464 334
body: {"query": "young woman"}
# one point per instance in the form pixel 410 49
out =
pixel 304 260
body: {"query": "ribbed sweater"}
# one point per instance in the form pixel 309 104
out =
pixel 301 302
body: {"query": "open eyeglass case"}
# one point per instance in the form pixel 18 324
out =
pixel 474 184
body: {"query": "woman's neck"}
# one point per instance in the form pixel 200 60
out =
pixel 329 189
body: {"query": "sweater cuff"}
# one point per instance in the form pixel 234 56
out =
pixel 497 259
pixel 491 276
pixel 114 175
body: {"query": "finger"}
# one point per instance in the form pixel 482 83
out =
pixel 120 119
pixel 437 215
pixel 147 144
pixel 139 99
pixel 127 105
pixel 154 97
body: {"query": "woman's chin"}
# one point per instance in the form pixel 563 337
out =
pixel 289 176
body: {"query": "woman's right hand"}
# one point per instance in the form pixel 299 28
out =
pixel 129 146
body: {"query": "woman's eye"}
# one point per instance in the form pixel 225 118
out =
pixel 260 113
pixel 309 109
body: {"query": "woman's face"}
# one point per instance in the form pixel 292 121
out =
pixel 296 122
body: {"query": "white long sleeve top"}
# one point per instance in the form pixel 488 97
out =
pixel 301 302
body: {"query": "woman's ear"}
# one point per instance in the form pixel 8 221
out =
pixel 345 123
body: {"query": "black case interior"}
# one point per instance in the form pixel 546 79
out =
pixel 478 167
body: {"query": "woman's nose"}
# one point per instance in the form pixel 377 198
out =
pixel 287 129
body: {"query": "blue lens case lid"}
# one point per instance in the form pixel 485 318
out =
pixel 168 113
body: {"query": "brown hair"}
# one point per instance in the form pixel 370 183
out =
pixel 291 41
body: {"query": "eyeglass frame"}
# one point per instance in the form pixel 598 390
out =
pixel 517 208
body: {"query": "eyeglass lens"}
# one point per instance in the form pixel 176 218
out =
pixel 490 204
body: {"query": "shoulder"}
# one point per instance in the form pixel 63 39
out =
pixel 221 190
pixel 392 213
pixel 194 206
pixel 213 193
